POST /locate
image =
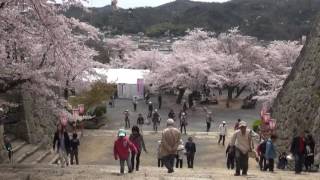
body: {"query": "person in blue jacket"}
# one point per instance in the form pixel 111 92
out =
pixel 271 153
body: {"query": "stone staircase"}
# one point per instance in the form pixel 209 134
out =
pixel 34 163
pixel 29 154
pixel 90 172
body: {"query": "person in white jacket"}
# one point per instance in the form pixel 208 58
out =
pixel 222 132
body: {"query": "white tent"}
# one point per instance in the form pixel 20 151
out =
pixel 130 82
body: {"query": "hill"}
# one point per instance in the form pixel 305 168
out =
pixel 265 19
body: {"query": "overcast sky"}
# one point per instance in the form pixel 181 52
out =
pixel 137 3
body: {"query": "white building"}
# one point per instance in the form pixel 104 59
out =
pixel 130 82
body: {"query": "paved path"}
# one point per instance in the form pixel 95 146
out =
pixel 196 118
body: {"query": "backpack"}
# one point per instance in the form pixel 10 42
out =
pixel 262 147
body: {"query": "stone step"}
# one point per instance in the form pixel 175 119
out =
pixel 33 158
pixel 49 158
pixel 84 172
pixel 27 153
pixel 17 145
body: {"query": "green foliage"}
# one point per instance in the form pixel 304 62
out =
pixel 256 125
pixel 160 29
pixel 98 94
pixel 97 111
pixel 264 19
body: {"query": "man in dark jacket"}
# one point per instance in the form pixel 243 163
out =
pixel 61 140
pixel 75 143
pixel 190 150
pixel 160 101
pixel 298 151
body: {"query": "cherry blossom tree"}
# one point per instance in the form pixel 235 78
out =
pixel 119 48
pixel 229 60
pixel 279 59
pixel 39 51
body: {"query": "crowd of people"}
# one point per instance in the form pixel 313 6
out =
pixel 65 147
pixel 171 148
pixel 172 151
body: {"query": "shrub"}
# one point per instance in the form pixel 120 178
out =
pixel 256 125
pixel 99 111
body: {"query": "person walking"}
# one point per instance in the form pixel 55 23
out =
pixel 8 147
pixel 61 140
pixel 184 106
pixel 113 102
pixel 180 154
pixel 137 139
pixel 230 155
pixel 150 109
pixel 135 103
pixel 236 126
pixel 209 120
pixel 140 121
pixel 160 162
pixel 75 143
pixel 147 97
pixel 261 151
pixel 155 120
pixel 121 150
pixel 183 122
pixel 271 153
pixel 242 141
pixel 171 114
pixel 159 101
pixel 170 140
pixel 190 147
pixel 309 153
pixel 126 118
pixel 222 132
pixel 298 148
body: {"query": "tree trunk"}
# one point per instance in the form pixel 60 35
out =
pixel 66 91
pixel 190 99
pixel 180 96
pixel 240 91
pixel 230 92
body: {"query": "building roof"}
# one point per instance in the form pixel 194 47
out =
pixel 122 76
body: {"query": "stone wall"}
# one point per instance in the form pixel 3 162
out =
pixel 298 104
pixel 37 123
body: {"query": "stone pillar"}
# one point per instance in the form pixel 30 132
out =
pixel 1 136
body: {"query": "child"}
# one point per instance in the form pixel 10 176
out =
pixel 74 148
pixel 160 162
pixel 230 154
pixel 8 147
pixel 190 151
pixel 270 153
pixel 282 161
pixel 122 148
pixel 180 154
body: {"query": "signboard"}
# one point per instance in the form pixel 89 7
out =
pixel 75 113
pixel 140 86
pixel 81 109
pixel 63 119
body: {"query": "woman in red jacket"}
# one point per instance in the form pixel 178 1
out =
pixel 122 148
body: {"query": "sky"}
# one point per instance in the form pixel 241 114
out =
pixel 137 3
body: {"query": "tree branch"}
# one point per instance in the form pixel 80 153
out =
pixel 11 85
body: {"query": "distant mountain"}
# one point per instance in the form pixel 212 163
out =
pixel 265 19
